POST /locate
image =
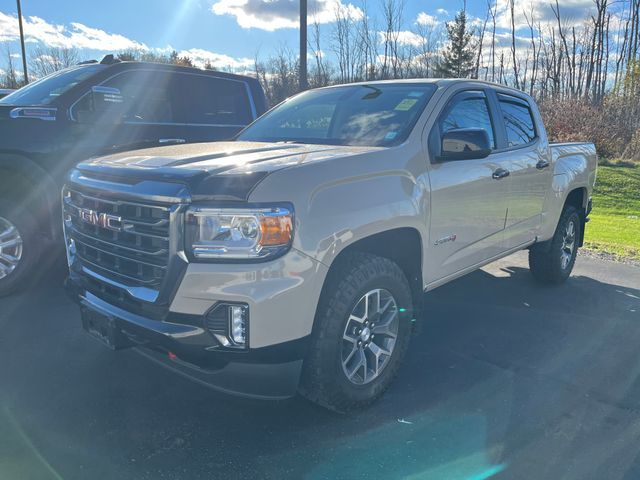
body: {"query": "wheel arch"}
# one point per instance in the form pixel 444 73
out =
pixel 579 199
pixel 24 180
pixel 402 246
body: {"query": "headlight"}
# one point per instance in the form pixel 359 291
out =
pixel 238 233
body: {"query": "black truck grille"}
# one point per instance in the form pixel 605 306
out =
pixel 127 242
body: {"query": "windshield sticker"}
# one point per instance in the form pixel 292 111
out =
pixel 406 104
pixel 416 94
pixel 391 135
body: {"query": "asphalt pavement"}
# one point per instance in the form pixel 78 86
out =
pixel 507 380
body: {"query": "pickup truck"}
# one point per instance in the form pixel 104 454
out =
pixel 295 258
pixel 95 109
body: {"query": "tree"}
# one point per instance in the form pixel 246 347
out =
pixel 47 60
pixel 9 79
pixel 459 56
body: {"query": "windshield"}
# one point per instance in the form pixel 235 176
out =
pixel 47 89
pixel 367 115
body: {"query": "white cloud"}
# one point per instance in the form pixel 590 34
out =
pixel 200 57
pixel 75 35
pixel 427 20
pixel 442 11
pixel 403 37
pixel 572 12
pixel 82 37
pixel 273 15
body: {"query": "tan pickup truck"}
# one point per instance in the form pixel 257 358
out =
pixel 295 259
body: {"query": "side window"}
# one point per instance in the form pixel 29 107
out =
pixel 214 101
pixel 518 121
pixel 468 110
pixel 147 97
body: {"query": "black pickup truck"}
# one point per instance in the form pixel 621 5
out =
pixel 95 109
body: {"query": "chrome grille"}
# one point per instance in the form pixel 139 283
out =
pixel 132 250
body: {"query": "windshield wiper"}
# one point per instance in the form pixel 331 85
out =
pixel 375 94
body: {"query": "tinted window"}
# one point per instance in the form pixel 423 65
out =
pixel 147 96
pixel 468 111
pixel 47 89
pixel 214 101
pixel 518 121
pixel 372 115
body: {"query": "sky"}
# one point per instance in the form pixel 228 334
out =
pixel 228 33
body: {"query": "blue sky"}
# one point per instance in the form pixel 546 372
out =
pixel 227 32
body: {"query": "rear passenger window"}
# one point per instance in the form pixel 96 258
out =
pixel 468 110
pixel 518 121
pixel 214 101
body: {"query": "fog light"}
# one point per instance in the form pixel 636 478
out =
pixel 238 324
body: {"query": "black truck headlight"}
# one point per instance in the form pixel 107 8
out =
pixel 220 234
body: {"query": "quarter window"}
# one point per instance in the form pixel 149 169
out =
pixel 468 111
pixel 518 121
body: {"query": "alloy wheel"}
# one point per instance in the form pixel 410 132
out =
pixel 369 336
pixel 10 247
pixel 568 245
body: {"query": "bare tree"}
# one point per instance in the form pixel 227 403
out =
pixel 47 60
pixel 10 77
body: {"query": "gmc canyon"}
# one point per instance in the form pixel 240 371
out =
pixel 96 109
pixel 295 258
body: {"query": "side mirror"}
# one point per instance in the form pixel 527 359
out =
pixel 108 105
pixel 465 144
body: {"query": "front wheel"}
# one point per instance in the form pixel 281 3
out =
pixel 362 332
pixel 19 247
pixel 554 265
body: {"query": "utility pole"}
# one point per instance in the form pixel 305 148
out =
pixel 303 45
pixel 24 52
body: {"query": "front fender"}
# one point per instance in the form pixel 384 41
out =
pixel 344 200
pixel 35 187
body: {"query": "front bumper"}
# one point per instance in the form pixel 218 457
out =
pixel 180 344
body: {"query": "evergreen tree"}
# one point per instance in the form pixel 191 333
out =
pixel 459 56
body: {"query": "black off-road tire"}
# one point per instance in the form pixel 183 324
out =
pixel 31 246
pixel 546 263
pixel 323 379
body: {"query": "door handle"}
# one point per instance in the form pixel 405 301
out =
pixel 500 173
pixel 171 140
pixel 542 164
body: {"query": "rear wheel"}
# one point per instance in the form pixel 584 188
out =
pixel 19 246
pixel 361 335
pixel 554 265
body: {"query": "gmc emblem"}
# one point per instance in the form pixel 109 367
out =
pixel 103 220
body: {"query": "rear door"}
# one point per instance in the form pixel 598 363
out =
pixel 530 172
pixel 468 205
pixel 213 108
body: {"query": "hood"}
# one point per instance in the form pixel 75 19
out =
pixel 214 171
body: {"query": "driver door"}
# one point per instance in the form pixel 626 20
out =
pixel 137 113
pixel 468 202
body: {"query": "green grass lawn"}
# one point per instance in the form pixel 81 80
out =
pixel 615 220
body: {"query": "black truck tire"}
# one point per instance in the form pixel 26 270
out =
pixel 554 264
pixel 356 279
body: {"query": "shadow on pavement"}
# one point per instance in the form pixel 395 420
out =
pixel 506 380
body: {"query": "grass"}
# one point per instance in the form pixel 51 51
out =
pixel 615 220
